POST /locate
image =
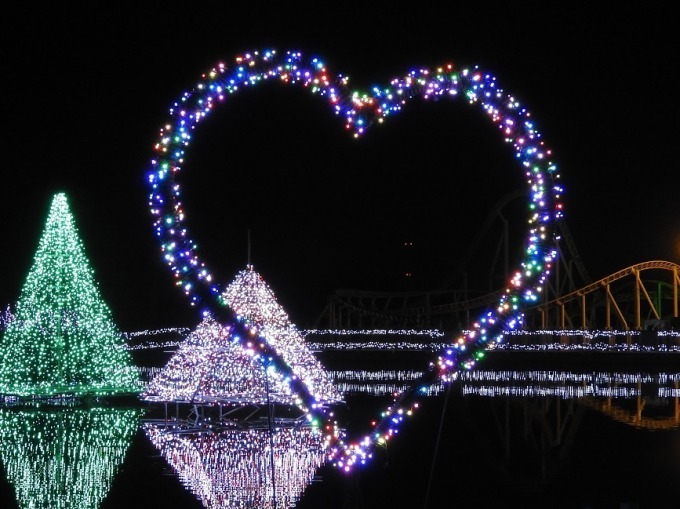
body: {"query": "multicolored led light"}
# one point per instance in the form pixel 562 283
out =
pixel 359 111
pixel 62 339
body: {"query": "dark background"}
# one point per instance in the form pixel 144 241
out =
pixel 86 87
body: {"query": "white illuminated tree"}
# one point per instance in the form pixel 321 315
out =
pixel 252 299
pixel 211 366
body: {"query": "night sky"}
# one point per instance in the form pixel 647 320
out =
pixel 272 178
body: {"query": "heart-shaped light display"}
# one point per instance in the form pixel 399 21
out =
pixel 359 111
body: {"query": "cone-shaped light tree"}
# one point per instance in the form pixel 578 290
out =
pixel 62 339
pixel 211 366
pixel 252 299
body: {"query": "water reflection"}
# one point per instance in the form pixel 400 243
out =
pixel 559 438
pixel 521 383
pixel 232 468
pixel 64 457
pixel 538 431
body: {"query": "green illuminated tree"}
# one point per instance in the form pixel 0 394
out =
pixel 62 339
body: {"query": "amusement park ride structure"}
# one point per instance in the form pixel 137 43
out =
pixel 641 297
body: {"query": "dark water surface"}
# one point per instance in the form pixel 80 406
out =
pixel 595 436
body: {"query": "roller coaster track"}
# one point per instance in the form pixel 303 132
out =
pixel 451 298
pixel 594 306
pixel 622 296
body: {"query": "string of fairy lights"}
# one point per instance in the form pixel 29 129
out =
pixel 359 111
pixel 524 383
pixel 385 382
pixel 245 350
pixel 544 339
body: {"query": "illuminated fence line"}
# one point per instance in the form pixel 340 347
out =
pixel 551 340
pixel 150 345
pixel 376 345
pixel 592 340
pixel 557 340
pixel 597 377
pixel 497 383
pixel 567 384
pixel 488 383
pixel 400 375
pixel 182 331
pixel 433 333
pixel 669 392
pixel 387 389
pixel 550 383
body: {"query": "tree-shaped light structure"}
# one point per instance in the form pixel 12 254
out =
pixel 64 458
pixel 235 469
pixel 211 366
pixel 62 339
pixel 252 299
